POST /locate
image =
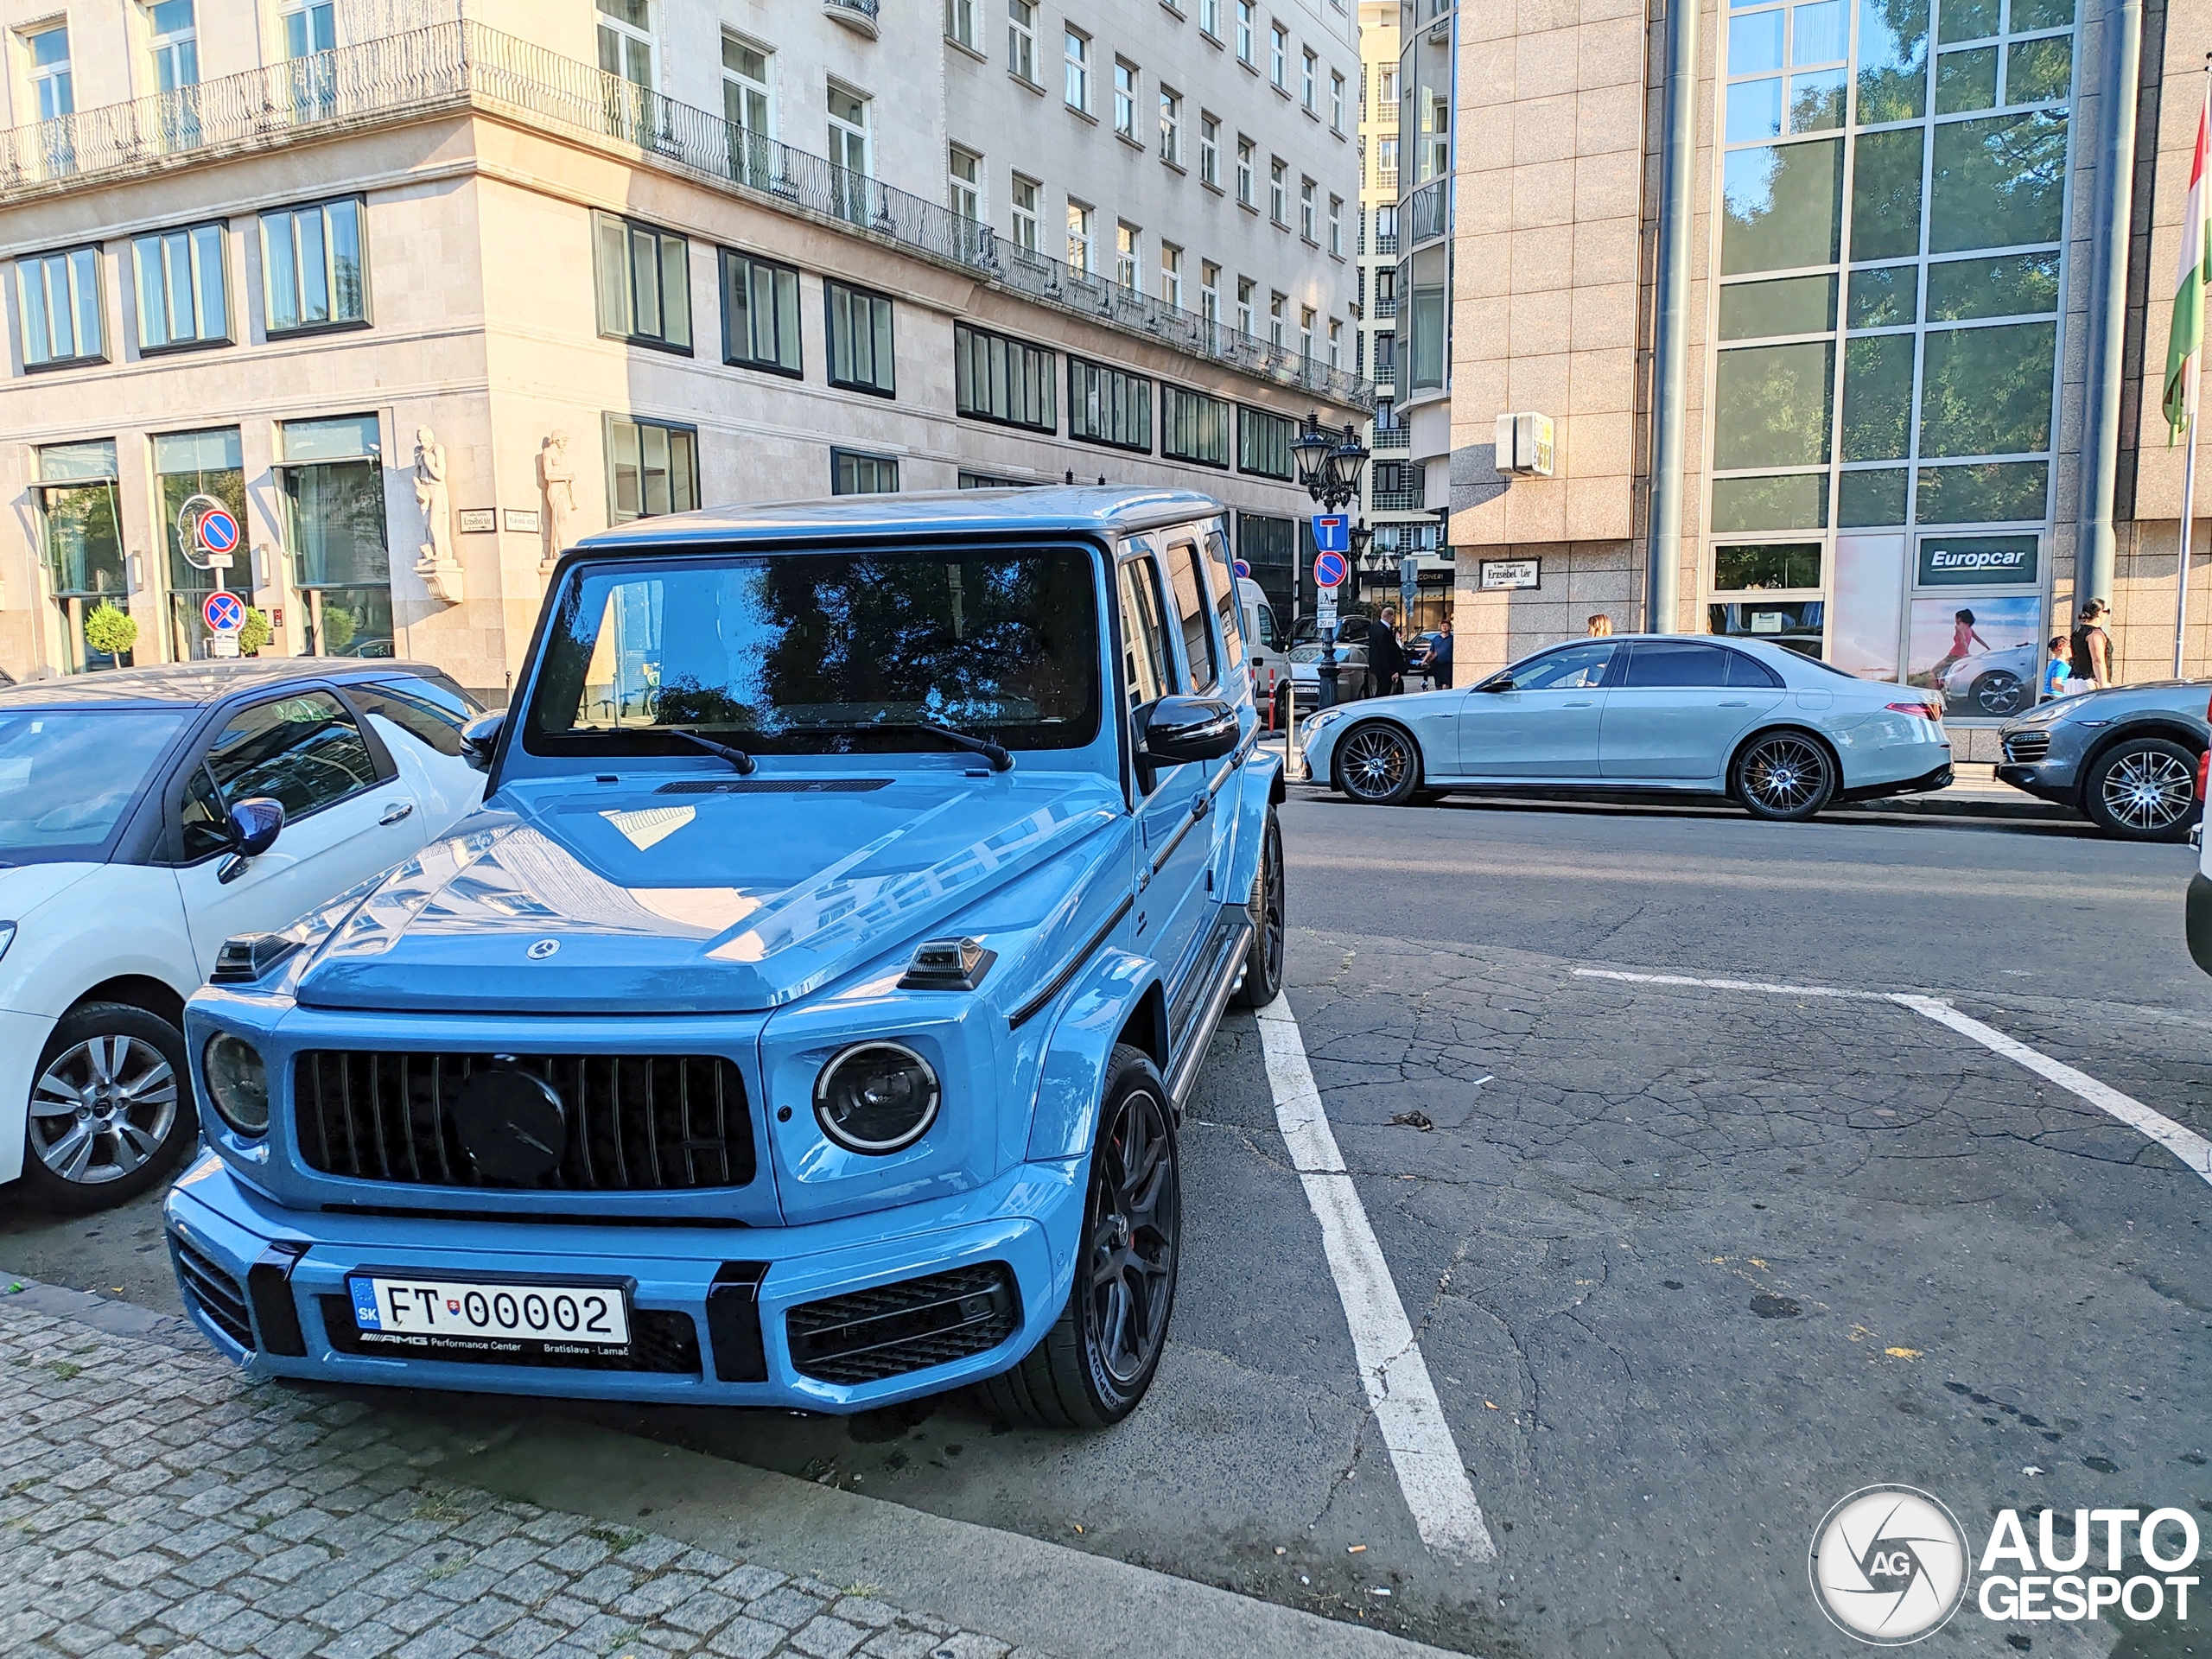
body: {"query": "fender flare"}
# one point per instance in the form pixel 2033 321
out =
pixel 1072 1070
pixel 1260 788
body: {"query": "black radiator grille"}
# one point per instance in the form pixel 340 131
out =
pixel 636 1122
pixel 214 1292
pixel 2023 748
pixel 893 1329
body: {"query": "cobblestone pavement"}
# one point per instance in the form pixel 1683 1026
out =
pixel 154 1501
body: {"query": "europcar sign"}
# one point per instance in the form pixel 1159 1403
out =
pixel 1977 561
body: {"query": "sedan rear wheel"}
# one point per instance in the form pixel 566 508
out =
pixel 111 1108
pixel 1784 776
pixel 2144 789
pixel 1378 765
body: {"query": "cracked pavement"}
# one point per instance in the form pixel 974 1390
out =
pixel 1687 1266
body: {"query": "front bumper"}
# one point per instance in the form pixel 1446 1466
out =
pixel 718 1298
pixel 23 1039
pixel 2047 780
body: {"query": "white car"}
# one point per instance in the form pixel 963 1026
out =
pixel 148 815
pixel 1993 684
pixel 1781 734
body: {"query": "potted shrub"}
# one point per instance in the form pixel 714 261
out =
pixel 109 632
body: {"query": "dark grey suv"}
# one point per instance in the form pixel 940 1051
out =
pixel 2125 757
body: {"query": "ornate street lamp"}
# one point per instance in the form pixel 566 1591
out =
pixel 1312 450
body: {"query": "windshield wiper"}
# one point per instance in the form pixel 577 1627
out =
pixel 742 763
pixel 1001 758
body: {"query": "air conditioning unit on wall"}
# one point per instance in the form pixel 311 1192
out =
pixel 1524 445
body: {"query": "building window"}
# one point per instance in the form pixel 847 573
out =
pixel 1278 320
pixel 759 313
pixel 1125 97
pixel 1108 406
pixel 1306 332
pixel 1079 239
pixel 1209 298
pixel 53 88
pixel 859 338
pixel 1336 101
pixel 330 474
pixel 1127 271
pixel 1193 427
pixel 1171 274
pixel 59 295
pixel 748 105
pixel 644 283
pixel 1336 343
pixel 653 467
pixel 1245 289
pixel 1023 192
pixel 965 184
pixel 1170 127
pixel 314 271
pixel 1075 89
pixel 310 27
pixel 1210 18
pixel 960 23
pixel 1278 57
pixel 1337 225
pixel 1244 162
pixel 852 153
pixel 75 499
pixel 182 297
pixel 998 378
pixel 1245 12
pixel 968 480
pixel 1308 83
pixel 853 473
pixel 1306 226
pixel 1263 444
pixel 173 31
pixel 626 40
pixel 1021 40
pixel 1208 151
pixel 1279 191
pixel 1386 162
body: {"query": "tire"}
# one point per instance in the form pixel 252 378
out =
pixel 1998 693
pixel 111 1111
pixel 1784 777
pixel 2143 789
pixel 1263 961
pixel 1100 1356
pixel 1378 765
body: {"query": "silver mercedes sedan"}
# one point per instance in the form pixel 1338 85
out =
pixel 1780 734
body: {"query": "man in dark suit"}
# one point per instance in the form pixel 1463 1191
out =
pixel 1386 657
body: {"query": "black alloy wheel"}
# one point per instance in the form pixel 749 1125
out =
pixel 111 1109
pixel 1785 777
pixel 1378 765
pixel 2143 789
pixel 1263 960
pixel 1096 1362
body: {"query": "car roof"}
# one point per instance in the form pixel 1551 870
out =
pixel 193 685
pixel 1080 510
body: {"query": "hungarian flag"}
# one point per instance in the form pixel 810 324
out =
pixel 2188 334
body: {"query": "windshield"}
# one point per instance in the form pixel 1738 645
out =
pixel 66 776
pixel 798 653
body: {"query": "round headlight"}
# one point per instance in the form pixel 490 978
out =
pixel 238 1084
pixel 876 1097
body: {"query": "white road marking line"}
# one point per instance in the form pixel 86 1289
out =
pixel 1399 1390
pixel 2192 1148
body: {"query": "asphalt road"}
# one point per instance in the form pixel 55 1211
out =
pixel 1687 1265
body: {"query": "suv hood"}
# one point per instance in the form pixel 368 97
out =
pixel 696 897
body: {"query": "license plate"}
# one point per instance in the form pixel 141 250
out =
pixel 596 1316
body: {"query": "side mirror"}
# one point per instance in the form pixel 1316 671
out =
pixel 1498 684
pixel 1177 729
pixel 254 826
pixel 480 737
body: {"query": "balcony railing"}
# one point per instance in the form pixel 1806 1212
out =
pixel 1388 440
pixel 464 65
pixel 1386 305
pixel 1386 178
pixel 856 14
pixel 1427 214
pixel 1386 241
pixel 1394 500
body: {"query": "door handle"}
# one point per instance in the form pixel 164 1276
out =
pixel 1737 702
pixel 396 811
pixel 1585 702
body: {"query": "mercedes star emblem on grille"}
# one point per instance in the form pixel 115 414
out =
pixel 541 950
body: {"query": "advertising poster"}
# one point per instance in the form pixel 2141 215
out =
pixel 1981 653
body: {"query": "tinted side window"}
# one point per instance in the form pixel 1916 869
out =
pixel 1668 664
pixel 1223 580
pixel 1749 670
pixel 304 751
pixel 418 717
pixel 443 690
pixel 1144 633
pixel 205 823
pixel 1572 668
pixel 1190 595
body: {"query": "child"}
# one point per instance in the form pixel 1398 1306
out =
pixel 2056 682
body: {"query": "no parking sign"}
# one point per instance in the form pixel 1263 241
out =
pixel 223 612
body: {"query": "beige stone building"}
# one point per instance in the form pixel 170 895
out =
pixel 1883 344
pixel 421 291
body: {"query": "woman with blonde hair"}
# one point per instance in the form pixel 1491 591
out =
pixel 1601 627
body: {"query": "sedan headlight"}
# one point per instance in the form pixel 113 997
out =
pixel 6 936
pixel 876 1097
pixel 238 1084
pixel 1313 723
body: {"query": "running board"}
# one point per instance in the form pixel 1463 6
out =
pixel 1233 944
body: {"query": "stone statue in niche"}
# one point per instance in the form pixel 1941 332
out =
pixel 557 479
pixel 440 571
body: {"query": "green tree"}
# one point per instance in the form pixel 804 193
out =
pixel 256 634
pixel 109 632
pixel 337 628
